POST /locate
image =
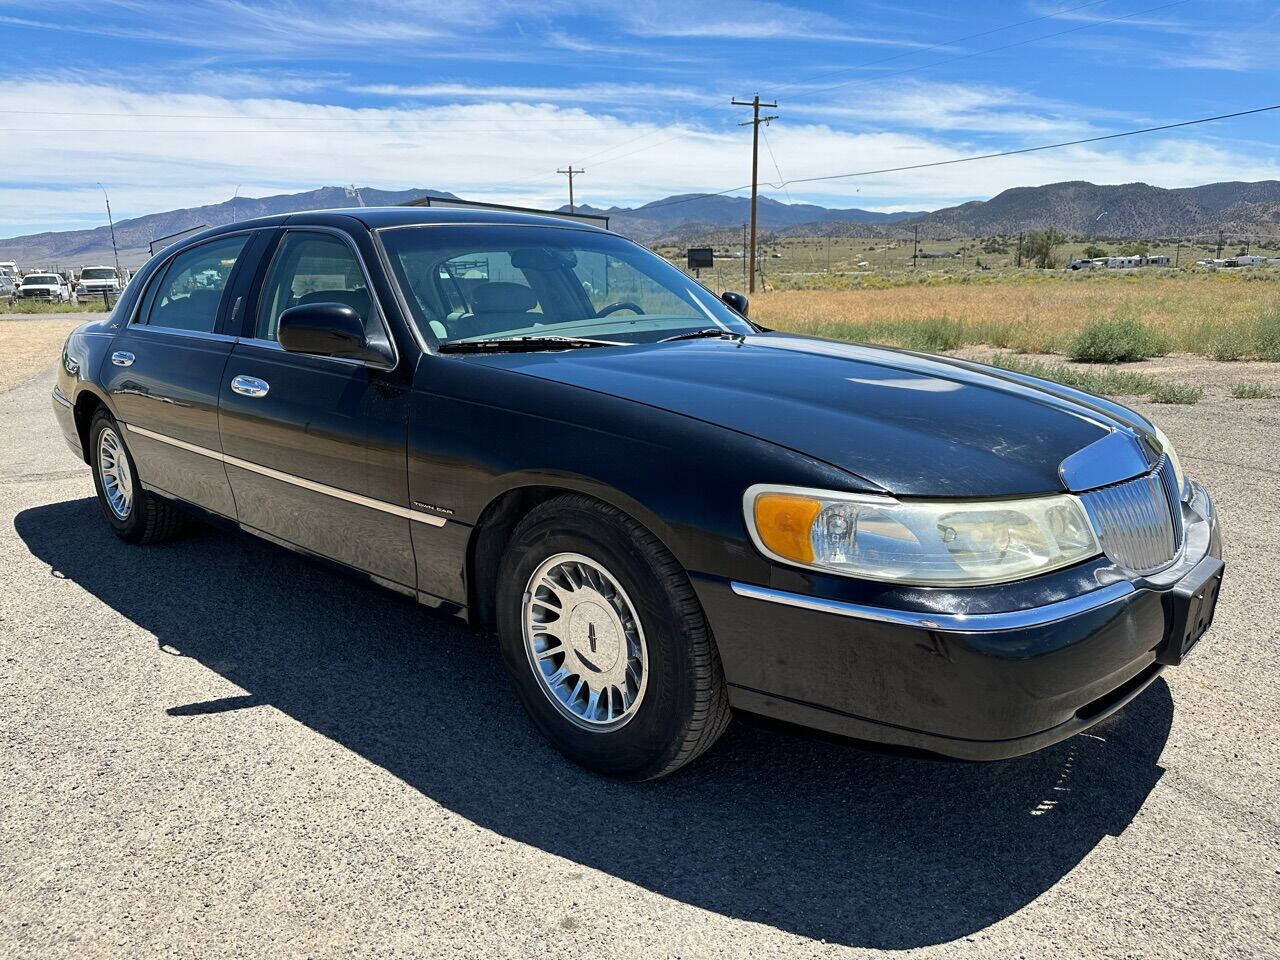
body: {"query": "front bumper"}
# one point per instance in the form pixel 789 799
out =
pixel 975 686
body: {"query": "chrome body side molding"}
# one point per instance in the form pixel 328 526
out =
pixel 946 622
pixel 335 492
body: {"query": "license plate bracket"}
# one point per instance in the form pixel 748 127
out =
pixel 1193 600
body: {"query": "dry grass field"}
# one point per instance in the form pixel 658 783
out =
pixel 1224 315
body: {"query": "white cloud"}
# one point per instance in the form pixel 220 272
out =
pixel 745 20
pixel 159 151
pixel 610 93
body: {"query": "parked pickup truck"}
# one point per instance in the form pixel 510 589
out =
pixel 95 280
pixel 44 286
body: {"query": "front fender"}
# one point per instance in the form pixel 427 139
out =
pixel 481 432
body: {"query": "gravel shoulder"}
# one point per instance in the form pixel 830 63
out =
pixel 217 748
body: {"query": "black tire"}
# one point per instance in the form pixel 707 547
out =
pixel 150 519
pixel 685 707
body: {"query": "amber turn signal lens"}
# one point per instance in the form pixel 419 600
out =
pixel 784 522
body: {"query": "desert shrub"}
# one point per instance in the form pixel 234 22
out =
pixel 1251 391
pixel 1116 340
pixel 1111 383
pixel 1266 334
pixel 1176 393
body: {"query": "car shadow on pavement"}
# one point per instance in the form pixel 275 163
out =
pixel 809 835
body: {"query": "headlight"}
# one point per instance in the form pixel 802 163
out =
pixel 1167 446
pixel 925 542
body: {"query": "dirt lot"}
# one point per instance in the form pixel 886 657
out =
pixel 217 748
pixel 31 343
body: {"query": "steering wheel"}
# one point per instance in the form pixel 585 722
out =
pixel 618 305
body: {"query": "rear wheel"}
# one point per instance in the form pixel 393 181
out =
pixel 135 514
pixel 606 642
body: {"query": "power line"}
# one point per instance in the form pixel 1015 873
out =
pixel 768 146
pixel 1046 146
pixel 982 156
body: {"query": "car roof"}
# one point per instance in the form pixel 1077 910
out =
pixel 375 217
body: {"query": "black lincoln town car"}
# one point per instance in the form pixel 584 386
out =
pixel 665 511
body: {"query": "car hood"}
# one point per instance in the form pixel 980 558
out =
pixel 903 423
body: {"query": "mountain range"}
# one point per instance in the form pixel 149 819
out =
pixel 1075 208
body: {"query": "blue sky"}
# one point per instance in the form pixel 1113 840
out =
pixel 179 104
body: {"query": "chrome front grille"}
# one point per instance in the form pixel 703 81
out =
pixel 1139 522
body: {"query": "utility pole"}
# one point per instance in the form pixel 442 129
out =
pixel 1019 261
pixel 571 172
pixel 915 245
pixel 1218 255
pixel 115 252
pixel 755 121
pixel 1177 255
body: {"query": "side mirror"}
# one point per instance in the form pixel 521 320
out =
pixel 326 330
pixel 736 301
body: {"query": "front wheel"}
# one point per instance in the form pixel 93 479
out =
pixel 606 643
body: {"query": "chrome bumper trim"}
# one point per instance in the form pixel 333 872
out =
pixel 946 622
pixel 57 395
pixel 335 492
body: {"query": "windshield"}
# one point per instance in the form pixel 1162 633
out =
pixel 497 281
pixel 46 278
pixel 97 273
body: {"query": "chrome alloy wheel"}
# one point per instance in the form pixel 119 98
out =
pixel 113 471
pixel 584 642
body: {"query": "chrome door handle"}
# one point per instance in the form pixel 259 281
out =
pixel 250 386
pixel 122 359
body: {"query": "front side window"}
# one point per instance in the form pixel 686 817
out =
pixel 188 295
pixel 508 281
pixel 311 268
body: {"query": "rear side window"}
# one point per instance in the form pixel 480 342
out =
pixel 311 268
pixel 188 295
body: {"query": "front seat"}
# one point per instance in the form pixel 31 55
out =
pixel 499 306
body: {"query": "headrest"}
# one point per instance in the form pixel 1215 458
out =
pixel 357 300
pixel 500 297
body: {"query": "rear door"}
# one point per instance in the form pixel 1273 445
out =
pixel 165 367
pixel 315 446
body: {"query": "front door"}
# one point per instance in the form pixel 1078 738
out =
pixel 315 446
pixel 165 368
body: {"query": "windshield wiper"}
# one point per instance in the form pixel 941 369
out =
pixel 524 344
pixel 709 332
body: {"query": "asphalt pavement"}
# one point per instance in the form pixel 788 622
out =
pixel 216 748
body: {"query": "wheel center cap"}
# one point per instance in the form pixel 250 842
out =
pixel 594 636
